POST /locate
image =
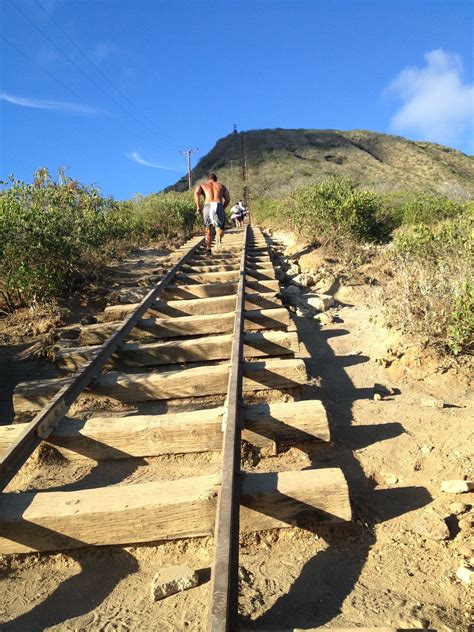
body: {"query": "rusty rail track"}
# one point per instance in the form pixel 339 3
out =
pixel 198 296
pixel 50 416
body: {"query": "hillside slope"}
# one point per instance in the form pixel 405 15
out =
pixel 279 160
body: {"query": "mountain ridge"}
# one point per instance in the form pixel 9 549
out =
pixel 279 160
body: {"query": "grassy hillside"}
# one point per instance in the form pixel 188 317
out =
pixel 280 160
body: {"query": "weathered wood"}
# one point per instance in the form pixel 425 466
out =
pixel 165 510
pixel 223 267
pixel 205 290
pixel 158 385
pixel 223 277
pixel 286 422
pixel 198 290
pixel 101 438
pixel 56 409
pixel 188 325
pixel 229 257
pixel 257 344
pixel 185 307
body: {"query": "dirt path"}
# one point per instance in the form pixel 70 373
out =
pixel 388 568
pixel 393 566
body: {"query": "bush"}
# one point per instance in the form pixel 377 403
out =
pixel 52 233
pixel 408 208
pixel 166 214
pixel 433 281
pixel 330 209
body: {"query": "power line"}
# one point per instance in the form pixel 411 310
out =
pixel 58 81
pixel 98 69
pixel 73 63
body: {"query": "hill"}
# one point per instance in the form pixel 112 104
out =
pixel 279 160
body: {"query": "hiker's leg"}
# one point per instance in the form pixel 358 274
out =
pixel 208 237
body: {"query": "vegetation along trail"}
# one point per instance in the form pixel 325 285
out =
pixel 272 436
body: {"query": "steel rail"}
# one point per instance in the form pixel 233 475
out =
pixel 224 577
pixel 55 410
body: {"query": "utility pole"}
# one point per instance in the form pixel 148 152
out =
pixel 188 152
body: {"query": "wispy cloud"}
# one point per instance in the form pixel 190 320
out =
pixel 43 104
pixel 437 104
pixel 135 156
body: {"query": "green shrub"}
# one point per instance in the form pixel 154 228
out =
pixel 329 209
pixel 433 282
pixel 461 327
pixel 52 233
pixel 168 214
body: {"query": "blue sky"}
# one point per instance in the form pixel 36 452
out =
pixel 113 89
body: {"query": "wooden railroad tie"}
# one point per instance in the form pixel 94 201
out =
pixel 177 383
pixel 102 438
pixel 189 307
pixel 165 510
pixel 183 326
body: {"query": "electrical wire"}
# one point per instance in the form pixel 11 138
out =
pixel 73 63
pixel 99 70
pixel 56 80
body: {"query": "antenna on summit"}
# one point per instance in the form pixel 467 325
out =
pixel 235 128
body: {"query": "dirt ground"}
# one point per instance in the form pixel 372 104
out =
pixel 394 565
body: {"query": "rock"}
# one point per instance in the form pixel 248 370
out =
pixel 465 524
pixel 68 334
pixel 303 312
pixel 293 270
pixel 89 319
pixel 432 402
pixel 170 580
pixel 465 574
pixel 320 302
pixel 291 290
pixel 323 286
pixel 303 280
pixel 456 486
pixel 325 318
pixel 377 397
pixel 430 525
pixel 457 508
pixel 426 449
pixel 465 549
pixel 391 479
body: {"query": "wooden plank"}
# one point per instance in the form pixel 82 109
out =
pixel 229 257
pixel 229 276
pixel 224 266
pixel 101 438
pixel 42 425
pixel 165 510
pixel 218 347
pixel 193 382
pixel 216 289
pixel 188 325
pixel 185 307
pixel 286 422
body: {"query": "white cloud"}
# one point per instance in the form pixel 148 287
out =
pixel 42 104
pixel 436 104
pixel 135 156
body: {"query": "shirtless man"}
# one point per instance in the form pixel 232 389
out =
pixel 216 200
